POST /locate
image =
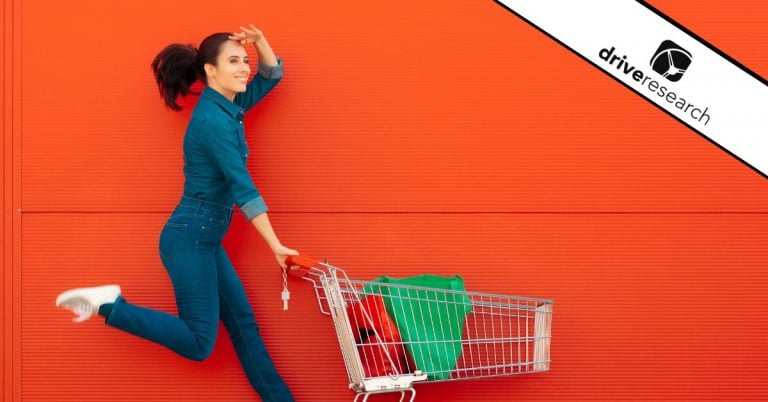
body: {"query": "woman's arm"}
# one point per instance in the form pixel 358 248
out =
pixel 264 227
pixel 270 68
pixel 225 154
pixel 266 55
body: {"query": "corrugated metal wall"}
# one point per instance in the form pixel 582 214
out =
pixel 406 137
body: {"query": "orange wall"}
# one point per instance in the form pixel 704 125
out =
pixel 406 137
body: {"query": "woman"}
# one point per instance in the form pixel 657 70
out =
pixel 205 283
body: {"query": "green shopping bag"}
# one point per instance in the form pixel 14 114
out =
pixel 429 317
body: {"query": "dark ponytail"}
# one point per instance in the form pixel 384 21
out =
pixel 174 69
pixel 178 66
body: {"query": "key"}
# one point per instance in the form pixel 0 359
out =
pixel 286 296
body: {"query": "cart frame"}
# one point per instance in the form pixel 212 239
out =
pixel 502 335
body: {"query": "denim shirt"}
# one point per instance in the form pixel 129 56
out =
pixel 215 150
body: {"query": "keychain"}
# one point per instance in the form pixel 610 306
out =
pixel 286 295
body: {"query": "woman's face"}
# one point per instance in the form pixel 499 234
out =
pixel 230 75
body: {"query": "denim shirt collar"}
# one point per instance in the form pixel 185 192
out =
pixel 231 108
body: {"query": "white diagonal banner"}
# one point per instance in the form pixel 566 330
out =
pixel 695 83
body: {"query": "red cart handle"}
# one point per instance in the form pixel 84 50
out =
pixel 303 263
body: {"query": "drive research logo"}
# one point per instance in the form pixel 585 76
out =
pixel 672 68
pixel 671 60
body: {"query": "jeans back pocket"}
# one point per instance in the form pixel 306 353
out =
pixel 172 239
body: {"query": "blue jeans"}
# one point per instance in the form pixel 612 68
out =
pixel 207 289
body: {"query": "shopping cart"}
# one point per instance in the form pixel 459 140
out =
pixel 394 335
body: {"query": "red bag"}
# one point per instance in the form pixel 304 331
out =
pixel 377 337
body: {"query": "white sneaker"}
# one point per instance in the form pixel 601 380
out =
pixel 85 302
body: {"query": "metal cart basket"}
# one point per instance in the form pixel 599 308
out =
pixel 393 335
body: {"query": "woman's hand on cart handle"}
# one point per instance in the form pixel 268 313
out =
pixel 300 264
pixel 282 253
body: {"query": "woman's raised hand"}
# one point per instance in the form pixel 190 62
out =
pixel 247 35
